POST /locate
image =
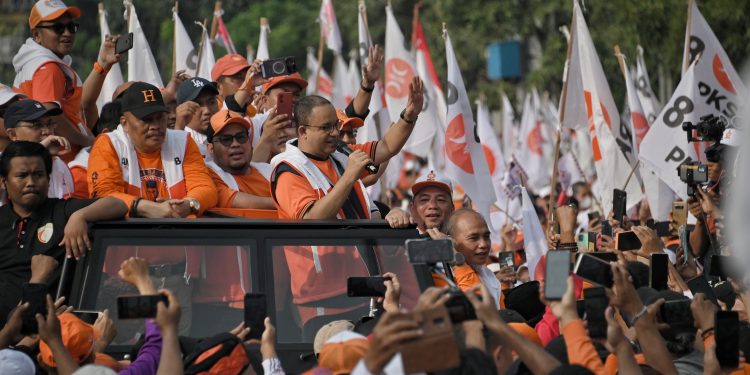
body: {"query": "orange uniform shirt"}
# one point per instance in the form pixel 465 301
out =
pixel 50 84
pixel 252 183
pixel 580 348
pixel 467 278
pixel 105 176
pixel 80 183
pixel 295 195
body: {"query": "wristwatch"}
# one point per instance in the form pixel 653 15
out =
pixel 195 205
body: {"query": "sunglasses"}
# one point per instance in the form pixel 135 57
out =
pixel 227 139
pixel 59 28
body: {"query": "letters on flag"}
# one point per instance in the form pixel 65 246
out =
pixel 649 102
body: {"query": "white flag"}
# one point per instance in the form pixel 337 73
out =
pixel 530 151
pixel 510 131
pixel 492 151
pixel 263 40
pixel 612 167
pixel 568 171
pixel 326 83
pixel 534 241
pixel 399 71
pixel 700 93
pixel 649 102
pixel 141 62
pixel 465 162
pixel 638 123
pixel 114 77
pixel 340 81
pixel 206 57
pixel 353 78
pixel 185 55
pixel 329 27
pixel 369 132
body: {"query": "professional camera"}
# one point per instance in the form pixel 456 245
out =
pixel 693 173
pixel 278 67
pixel 709 129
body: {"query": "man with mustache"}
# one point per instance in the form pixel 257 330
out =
pixel 44 72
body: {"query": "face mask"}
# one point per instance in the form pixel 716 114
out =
pixel 585 203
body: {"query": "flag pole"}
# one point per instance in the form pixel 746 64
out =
pixel 215 20
pixel 688 30
pixel 321 42
pixel 175 13
pixel 632 171
pixel 200 48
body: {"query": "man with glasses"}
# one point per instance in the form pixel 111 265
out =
pixel 197 101
pixel 44 72
pixel 313 181
pixel 29 120
pixel 240 182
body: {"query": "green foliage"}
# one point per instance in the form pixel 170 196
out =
pixel 659 26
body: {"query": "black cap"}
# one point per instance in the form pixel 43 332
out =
pixel 191 88
pixel 27 110
pixel 142 99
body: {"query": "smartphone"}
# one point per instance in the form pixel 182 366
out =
pixel 658 276
pixel 607 257
pixel 593 216
pixel 88 316
pixel 699 284
pixel 607 229
pixel 366 286
pixel 677 314
pixel 726 333
pixel 619 204
pixel 139 307
pixel 124 43
pixel 625 241
pixel 556 274
pixel 427 251
pixel 285 103
pixel 662 228
pixel 583 241
pixel 593 269
pixel 255 314
pixel 679 213
pixel 36 296
pixel 595 302
pixel 506 259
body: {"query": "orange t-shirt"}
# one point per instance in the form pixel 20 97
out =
pixel 295 195
pixel 81 187
pixel 251 183
pixel 467 278
pixel 51 85
pixel 105 176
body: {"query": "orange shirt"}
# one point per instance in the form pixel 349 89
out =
pixel 467 278
pixel 81 187
pixel 105 176
pixel 51 85
pixel 295 195
pixel 252 183
pixel 580 349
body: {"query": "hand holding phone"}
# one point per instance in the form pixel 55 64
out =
pixel 595 303
pixel 124 44
pixel 367 286
pixel 619 204
pixel 679 213
pixel 625 241
pixel 285 104
pixel 659 271
pixel 36 296
pixel 255 314
pixel 139 307
pixel 593 269
pixel 556 274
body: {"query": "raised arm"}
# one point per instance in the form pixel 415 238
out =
pixel 92 87
pixel 370 77
pixel 398 133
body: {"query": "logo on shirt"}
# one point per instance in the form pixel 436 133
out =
pixel 44 234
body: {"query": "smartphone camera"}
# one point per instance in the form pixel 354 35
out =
pixel 279 67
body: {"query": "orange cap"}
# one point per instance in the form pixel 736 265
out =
pixel 343 351
pixel 228 65
pixel 48 10
pixel 77 336
pixel 526 331
pixel 352 122
pixel 294 78
pixel 224 117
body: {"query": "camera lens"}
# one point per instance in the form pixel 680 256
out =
pixel 278 67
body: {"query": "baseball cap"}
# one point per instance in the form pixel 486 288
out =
pixel 228 65
pixel 142 99
pixel 224 117
pixel 295 78
pixel 27 110
pixel 342 352
pixel 77 336
pixel 329 330
pixel 352 122
pixel 14 362
pixel 7 93
pixel 432 179
pixel 48 10
pixel 191 88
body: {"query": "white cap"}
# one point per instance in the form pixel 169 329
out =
pixel 14 362
pixel 7 93
pixel 432 179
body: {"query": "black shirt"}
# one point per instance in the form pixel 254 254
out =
pixel 21 238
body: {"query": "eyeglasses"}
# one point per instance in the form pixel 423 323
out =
pixel 59 28
pixel 227 139
pixel 327 128
pixel 352 133
pixel 38 125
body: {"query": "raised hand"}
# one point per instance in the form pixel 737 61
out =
pixel 415 102
pixel 371 71
pixel 108 55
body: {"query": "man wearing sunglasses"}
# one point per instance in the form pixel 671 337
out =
pixel 240 182
pixel 44 72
